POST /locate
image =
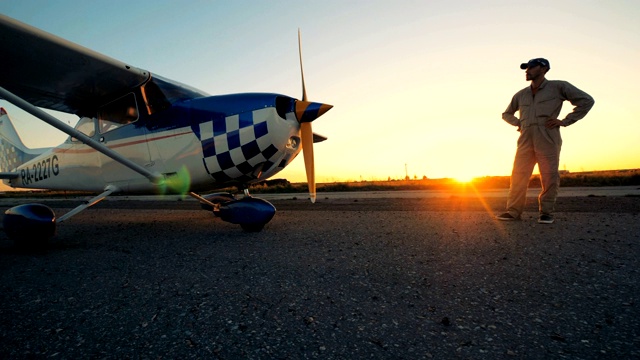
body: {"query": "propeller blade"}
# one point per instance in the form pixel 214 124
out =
pixel 304 89
pixel 306 112
pixel 306 133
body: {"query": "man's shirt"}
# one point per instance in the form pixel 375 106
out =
pixel 546 104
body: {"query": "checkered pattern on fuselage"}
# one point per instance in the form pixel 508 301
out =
pixel 9 156
pixel 234 145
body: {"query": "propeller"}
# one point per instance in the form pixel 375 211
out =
pixel 306 112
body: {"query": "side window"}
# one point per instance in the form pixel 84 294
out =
pixel 86 126
pixel 117 113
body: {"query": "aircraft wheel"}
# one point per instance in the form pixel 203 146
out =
pixel 252 227
pixel 30 226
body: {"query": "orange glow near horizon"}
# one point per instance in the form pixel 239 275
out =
pixel 464 179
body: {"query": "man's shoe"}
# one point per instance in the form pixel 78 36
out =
pixel 545 219
pixel 507 217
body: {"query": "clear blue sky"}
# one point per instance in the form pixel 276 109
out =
pixel 421 83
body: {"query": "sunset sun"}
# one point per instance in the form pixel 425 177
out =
pixel 463 176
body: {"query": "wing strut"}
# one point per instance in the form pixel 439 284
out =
pixel 107 191
pixel 51 120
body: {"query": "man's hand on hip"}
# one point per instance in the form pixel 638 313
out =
pixel 552 123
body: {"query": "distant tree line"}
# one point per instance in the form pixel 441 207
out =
pixel 596 178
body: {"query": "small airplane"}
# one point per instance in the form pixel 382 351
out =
pixel 140 133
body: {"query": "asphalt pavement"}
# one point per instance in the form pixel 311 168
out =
pixel 346 278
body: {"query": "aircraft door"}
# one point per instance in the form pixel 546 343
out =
pixel 119 129
pixel 82 158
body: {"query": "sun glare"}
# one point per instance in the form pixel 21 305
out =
pixel 463 179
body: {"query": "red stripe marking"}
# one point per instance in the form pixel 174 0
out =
pixel 131 143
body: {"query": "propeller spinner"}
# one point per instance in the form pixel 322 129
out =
pixel 306 112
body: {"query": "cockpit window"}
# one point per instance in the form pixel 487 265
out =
pixel 117 113
pixel 86 126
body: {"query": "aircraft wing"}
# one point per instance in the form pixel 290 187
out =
pixel 54 73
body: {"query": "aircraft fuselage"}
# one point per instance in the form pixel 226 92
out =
pixel 198 144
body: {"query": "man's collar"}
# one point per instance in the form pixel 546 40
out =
pixel 542 84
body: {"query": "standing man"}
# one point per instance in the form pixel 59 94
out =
pixel 539 143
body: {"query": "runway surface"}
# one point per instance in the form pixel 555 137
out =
pixel 347 278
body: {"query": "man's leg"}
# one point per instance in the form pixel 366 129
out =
pixel 548 156
pixel 550 179
pixel 520 175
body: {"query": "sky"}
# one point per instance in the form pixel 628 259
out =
pixel 418 87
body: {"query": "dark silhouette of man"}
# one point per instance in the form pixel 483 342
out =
pixel 539 143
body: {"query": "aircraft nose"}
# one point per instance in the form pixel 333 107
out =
pixel 307 111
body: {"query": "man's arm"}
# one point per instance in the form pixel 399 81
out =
pixel 508 114
pixel 582 101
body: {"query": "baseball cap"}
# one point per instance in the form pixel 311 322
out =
pixel 535 62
